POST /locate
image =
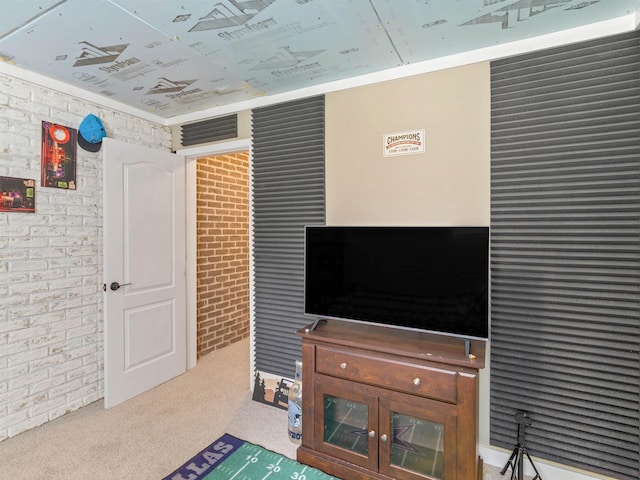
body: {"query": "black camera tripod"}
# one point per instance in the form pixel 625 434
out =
pixel 516 460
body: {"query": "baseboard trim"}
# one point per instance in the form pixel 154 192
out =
pixel 498 457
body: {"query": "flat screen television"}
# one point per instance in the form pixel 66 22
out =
pixel 433 279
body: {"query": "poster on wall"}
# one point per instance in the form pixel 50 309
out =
pixel 58 159
pixel 403 143
pixel 17 195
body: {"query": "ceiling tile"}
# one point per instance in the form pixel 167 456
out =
pixel 171 58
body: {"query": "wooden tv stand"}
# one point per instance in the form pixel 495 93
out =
pixel 384 403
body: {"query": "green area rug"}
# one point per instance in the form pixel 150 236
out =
pixel 230 458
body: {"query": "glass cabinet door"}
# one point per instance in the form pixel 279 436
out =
pixel 346 424
pixel 417 445
pixel 417 439
pixel 348 421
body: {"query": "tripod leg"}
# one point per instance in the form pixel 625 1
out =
pixel 537 477
pixel 518 464
pixel 510 461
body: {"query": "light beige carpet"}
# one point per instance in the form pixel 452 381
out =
pixel 151 435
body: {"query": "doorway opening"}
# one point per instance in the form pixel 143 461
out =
pixel 222 250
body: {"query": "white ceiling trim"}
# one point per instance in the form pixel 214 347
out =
pixel 601 29
pixel 67 89
pixel 216 148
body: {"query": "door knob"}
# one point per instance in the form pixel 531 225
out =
pixel 115 285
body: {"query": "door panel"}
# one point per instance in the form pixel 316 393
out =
pixel 150 220
pixel 421 438
pixel 344 419
pixel 144 251
pixel 148 334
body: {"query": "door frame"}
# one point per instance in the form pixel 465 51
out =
pixel 191 157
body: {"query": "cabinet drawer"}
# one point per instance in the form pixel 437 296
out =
pixel 389 373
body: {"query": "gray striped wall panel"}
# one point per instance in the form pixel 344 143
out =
pixel 288 193
pixel 565 254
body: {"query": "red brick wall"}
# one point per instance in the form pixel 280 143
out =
pixel 223 250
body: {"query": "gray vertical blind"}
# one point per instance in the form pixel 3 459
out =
pixel 288 193
pixel 565 255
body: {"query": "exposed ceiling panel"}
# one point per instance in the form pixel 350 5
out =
pixel 172 58
pixel 15 14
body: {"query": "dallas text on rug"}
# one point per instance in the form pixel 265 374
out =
pixel 230 458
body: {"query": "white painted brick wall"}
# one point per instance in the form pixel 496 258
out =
pixel 51 322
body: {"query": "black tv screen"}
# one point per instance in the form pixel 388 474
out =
pixel 434 279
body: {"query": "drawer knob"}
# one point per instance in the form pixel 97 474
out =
pixel 372 433
pixel 416 381
pixel 384 437
pixel 343 365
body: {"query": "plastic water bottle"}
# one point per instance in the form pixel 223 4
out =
pixel 295 406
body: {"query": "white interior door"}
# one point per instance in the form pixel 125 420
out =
pixel 145 317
